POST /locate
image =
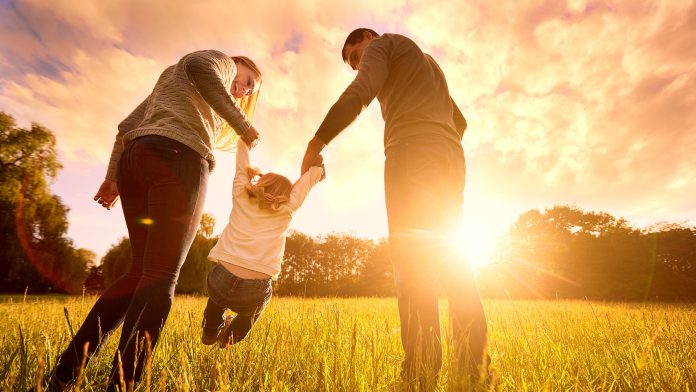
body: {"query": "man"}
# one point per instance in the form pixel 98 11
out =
pixel 424 182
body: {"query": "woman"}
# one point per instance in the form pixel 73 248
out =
pixel 159 167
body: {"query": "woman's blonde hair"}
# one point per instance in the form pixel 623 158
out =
pixel 271 190
pixel 226 139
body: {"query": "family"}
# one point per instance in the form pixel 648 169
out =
pixel 159 168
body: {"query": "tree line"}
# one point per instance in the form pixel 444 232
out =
pixel 35 251
pixel 565 252
pixel 330 265
pixel 560 252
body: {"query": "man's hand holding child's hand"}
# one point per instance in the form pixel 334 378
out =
pixel 318 160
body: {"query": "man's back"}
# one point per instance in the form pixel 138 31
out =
pixel 410 87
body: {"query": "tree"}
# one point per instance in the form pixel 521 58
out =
pixel 95 279
pixel 117 261
pixel 192 277
pixel 377 272
pixel 674 249
pixel 341 257
pixel 299 266
pixel 565 252
pixel 334 265
pixel 33 222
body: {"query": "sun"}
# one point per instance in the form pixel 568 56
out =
pixel 475 246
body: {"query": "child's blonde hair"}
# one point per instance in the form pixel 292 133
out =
pixel 271 190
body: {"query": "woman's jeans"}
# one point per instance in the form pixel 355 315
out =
pixel 162 186
pixel 424 185
pixel 246 297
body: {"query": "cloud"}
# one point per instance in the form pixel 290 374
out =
pixel 589 102
pixel 586 101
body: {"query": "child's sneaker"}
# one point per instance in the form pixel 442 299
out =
pixel 225 338
pixel 208 339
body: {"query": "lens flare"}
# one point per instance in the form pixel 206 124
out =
pixel 27 240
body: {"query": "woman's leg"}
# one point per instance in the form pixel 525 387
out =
pixel 176 179
pixel 110 309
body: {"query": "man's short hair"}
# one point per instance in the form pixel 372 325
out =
pixel 354 37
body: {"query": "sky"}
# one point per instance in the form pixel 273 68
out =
pixel 589 103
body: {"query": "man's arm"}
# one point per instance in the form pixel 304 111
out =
pixel 459 120
pixel 339 117
pixel 312 153
pixel 372 73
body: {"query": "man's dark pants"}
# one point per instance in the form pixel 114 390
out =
pixel 424 183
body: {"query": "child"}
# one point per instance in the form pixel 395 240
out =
pixel 250 249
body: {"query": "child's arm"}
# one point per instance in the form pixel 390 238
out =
pixel 241 175
pixel 302 187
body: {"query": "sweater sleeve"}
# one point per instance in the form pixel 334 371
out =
pixel 459 120
pixel 205 70
pixel 301 189
pixel 241 176
pixel 128 124
pixel 372 74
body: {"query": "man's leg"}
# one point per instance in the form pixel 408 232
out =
pixel 469 329
pixel 414 239
pixel 466 311
pixel 418 310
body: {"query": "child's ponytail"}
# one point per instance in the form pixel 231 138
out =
pixel 271 190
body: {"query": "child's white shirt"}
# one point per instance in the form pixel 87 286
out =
pixel 254 238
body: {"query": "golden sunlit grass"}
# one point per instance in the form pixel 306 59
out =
pixel 353 345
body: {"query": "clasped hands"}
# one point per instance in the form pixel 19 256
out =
pixel 108 194
pixel 313 156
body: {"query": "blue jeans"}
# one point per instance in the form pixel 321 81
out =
pixel 162 185
pixel 424 184
pixel 246 297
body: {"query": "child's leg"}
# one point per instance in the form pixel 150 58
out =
pixel 250 299
pixel 241 325
pixel 212 318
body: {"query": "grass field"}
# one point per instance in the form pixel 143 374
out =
pixel 353 345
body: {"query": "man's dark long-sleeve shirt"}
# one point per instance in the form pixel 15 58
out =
pixel 411 89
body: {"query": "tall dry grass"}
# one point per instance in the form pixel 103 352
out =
pixel 354 345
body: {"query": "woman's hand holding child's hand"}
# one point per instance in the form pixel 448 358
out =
pixel 251 137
